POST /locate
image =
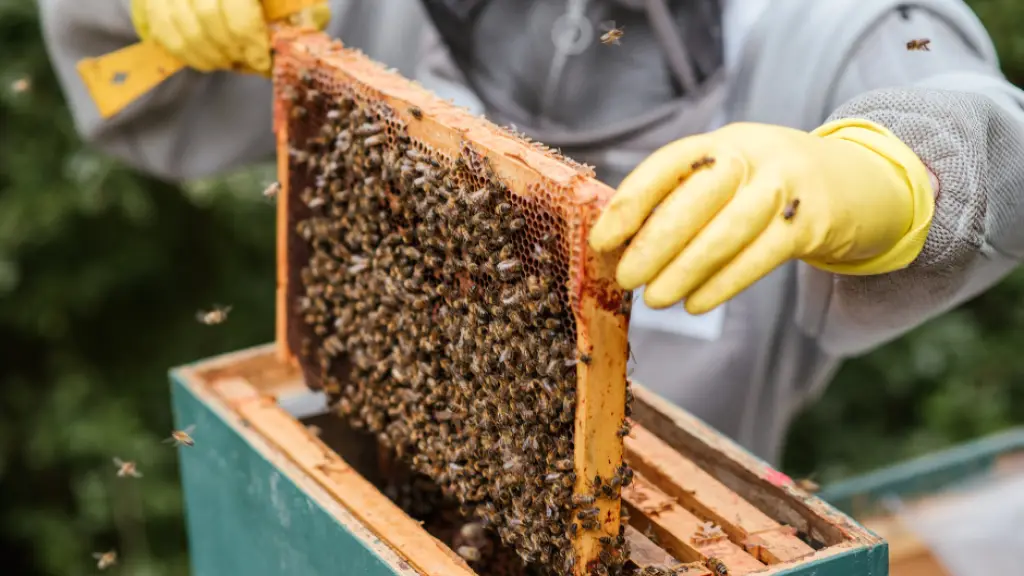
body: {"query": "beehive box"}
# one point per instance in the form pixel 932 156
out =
pixel 266 495
pixel 924 484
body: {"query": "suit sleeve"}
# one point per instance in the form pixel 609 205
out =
pixel 965 121
pixel 195 125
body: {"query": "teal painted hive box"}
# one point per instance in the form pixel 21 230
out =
pixel 934 480
pixel 274 487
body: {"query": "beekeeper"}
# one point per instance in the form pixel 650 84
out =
pixel 877 179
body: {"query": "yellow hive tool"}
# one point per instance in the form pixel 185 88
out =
pixel 117 79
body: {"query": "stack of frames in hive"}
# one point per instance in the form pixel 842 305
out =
pixel 434 281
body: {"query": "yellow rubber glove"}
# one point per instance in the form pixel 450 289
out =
pixel 734 204
pixel 211 35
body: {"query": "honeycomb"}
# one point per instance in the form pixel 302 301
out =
pixel 434 281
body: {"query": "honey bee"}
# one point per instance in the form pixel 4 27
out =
pixel 708 532
pixel 126 469
pixel 105 560
pixel 717 567
pixel 416 112
pixel 272 190
pixel 509 268
pixel 216 315
pixel 473 531
pixel 919 44
pixel 590 524
pixel 21 85
pixel 182 437
pixel 612 34
pixel 469 553
pixel 624 429
pixel 705 162
pixel 588 513
pixel 582 500
pixel 808 485
pixel 790 210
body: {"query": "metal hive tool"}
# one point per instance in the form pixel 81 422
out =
pixel 434 280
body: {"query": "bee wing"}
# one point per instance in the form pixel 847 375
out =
pixel 137 474
pixel 118 461
pixel 607 25
pixel 191 428
pixel 97 555
pixel 201 316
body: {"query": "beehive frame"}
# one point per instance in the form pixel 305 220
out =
pixel 236 399
pixel 526 170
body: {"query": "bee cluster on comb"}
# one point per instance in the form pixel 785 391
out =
pixel 453 311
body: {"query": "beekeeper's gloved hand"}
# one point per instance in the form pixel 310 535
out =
pixel 211 35
pixel 849 198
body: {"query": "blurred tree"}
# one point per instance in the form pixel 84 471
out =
pixel 102 271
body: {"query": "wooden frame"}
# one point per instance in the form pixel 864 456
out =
pixel 529 171
pixel 234 401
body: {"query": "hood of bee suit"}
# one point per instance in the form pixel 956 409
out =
pixel 634 4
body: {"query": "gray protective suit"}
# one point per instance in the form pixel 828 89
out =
pixel 684 67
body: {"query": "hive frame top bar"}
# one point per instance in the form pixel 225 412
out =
pixel 446 126
pixel 528 170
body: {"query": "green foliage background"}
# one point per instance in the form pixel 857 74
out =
pixel 102 270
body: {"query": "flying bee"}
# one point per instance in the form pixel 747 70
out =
pixel 790 210
pixel 21 85
pixel 472 531
pixel 808 485
pixel 717 567
pixel 470 553
pixel 105 560
pixel 272 190
pixel 704 162
pixel 919 44
pixel 216 315
pixel 182 437
pixel 612 34
pixel 126 469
